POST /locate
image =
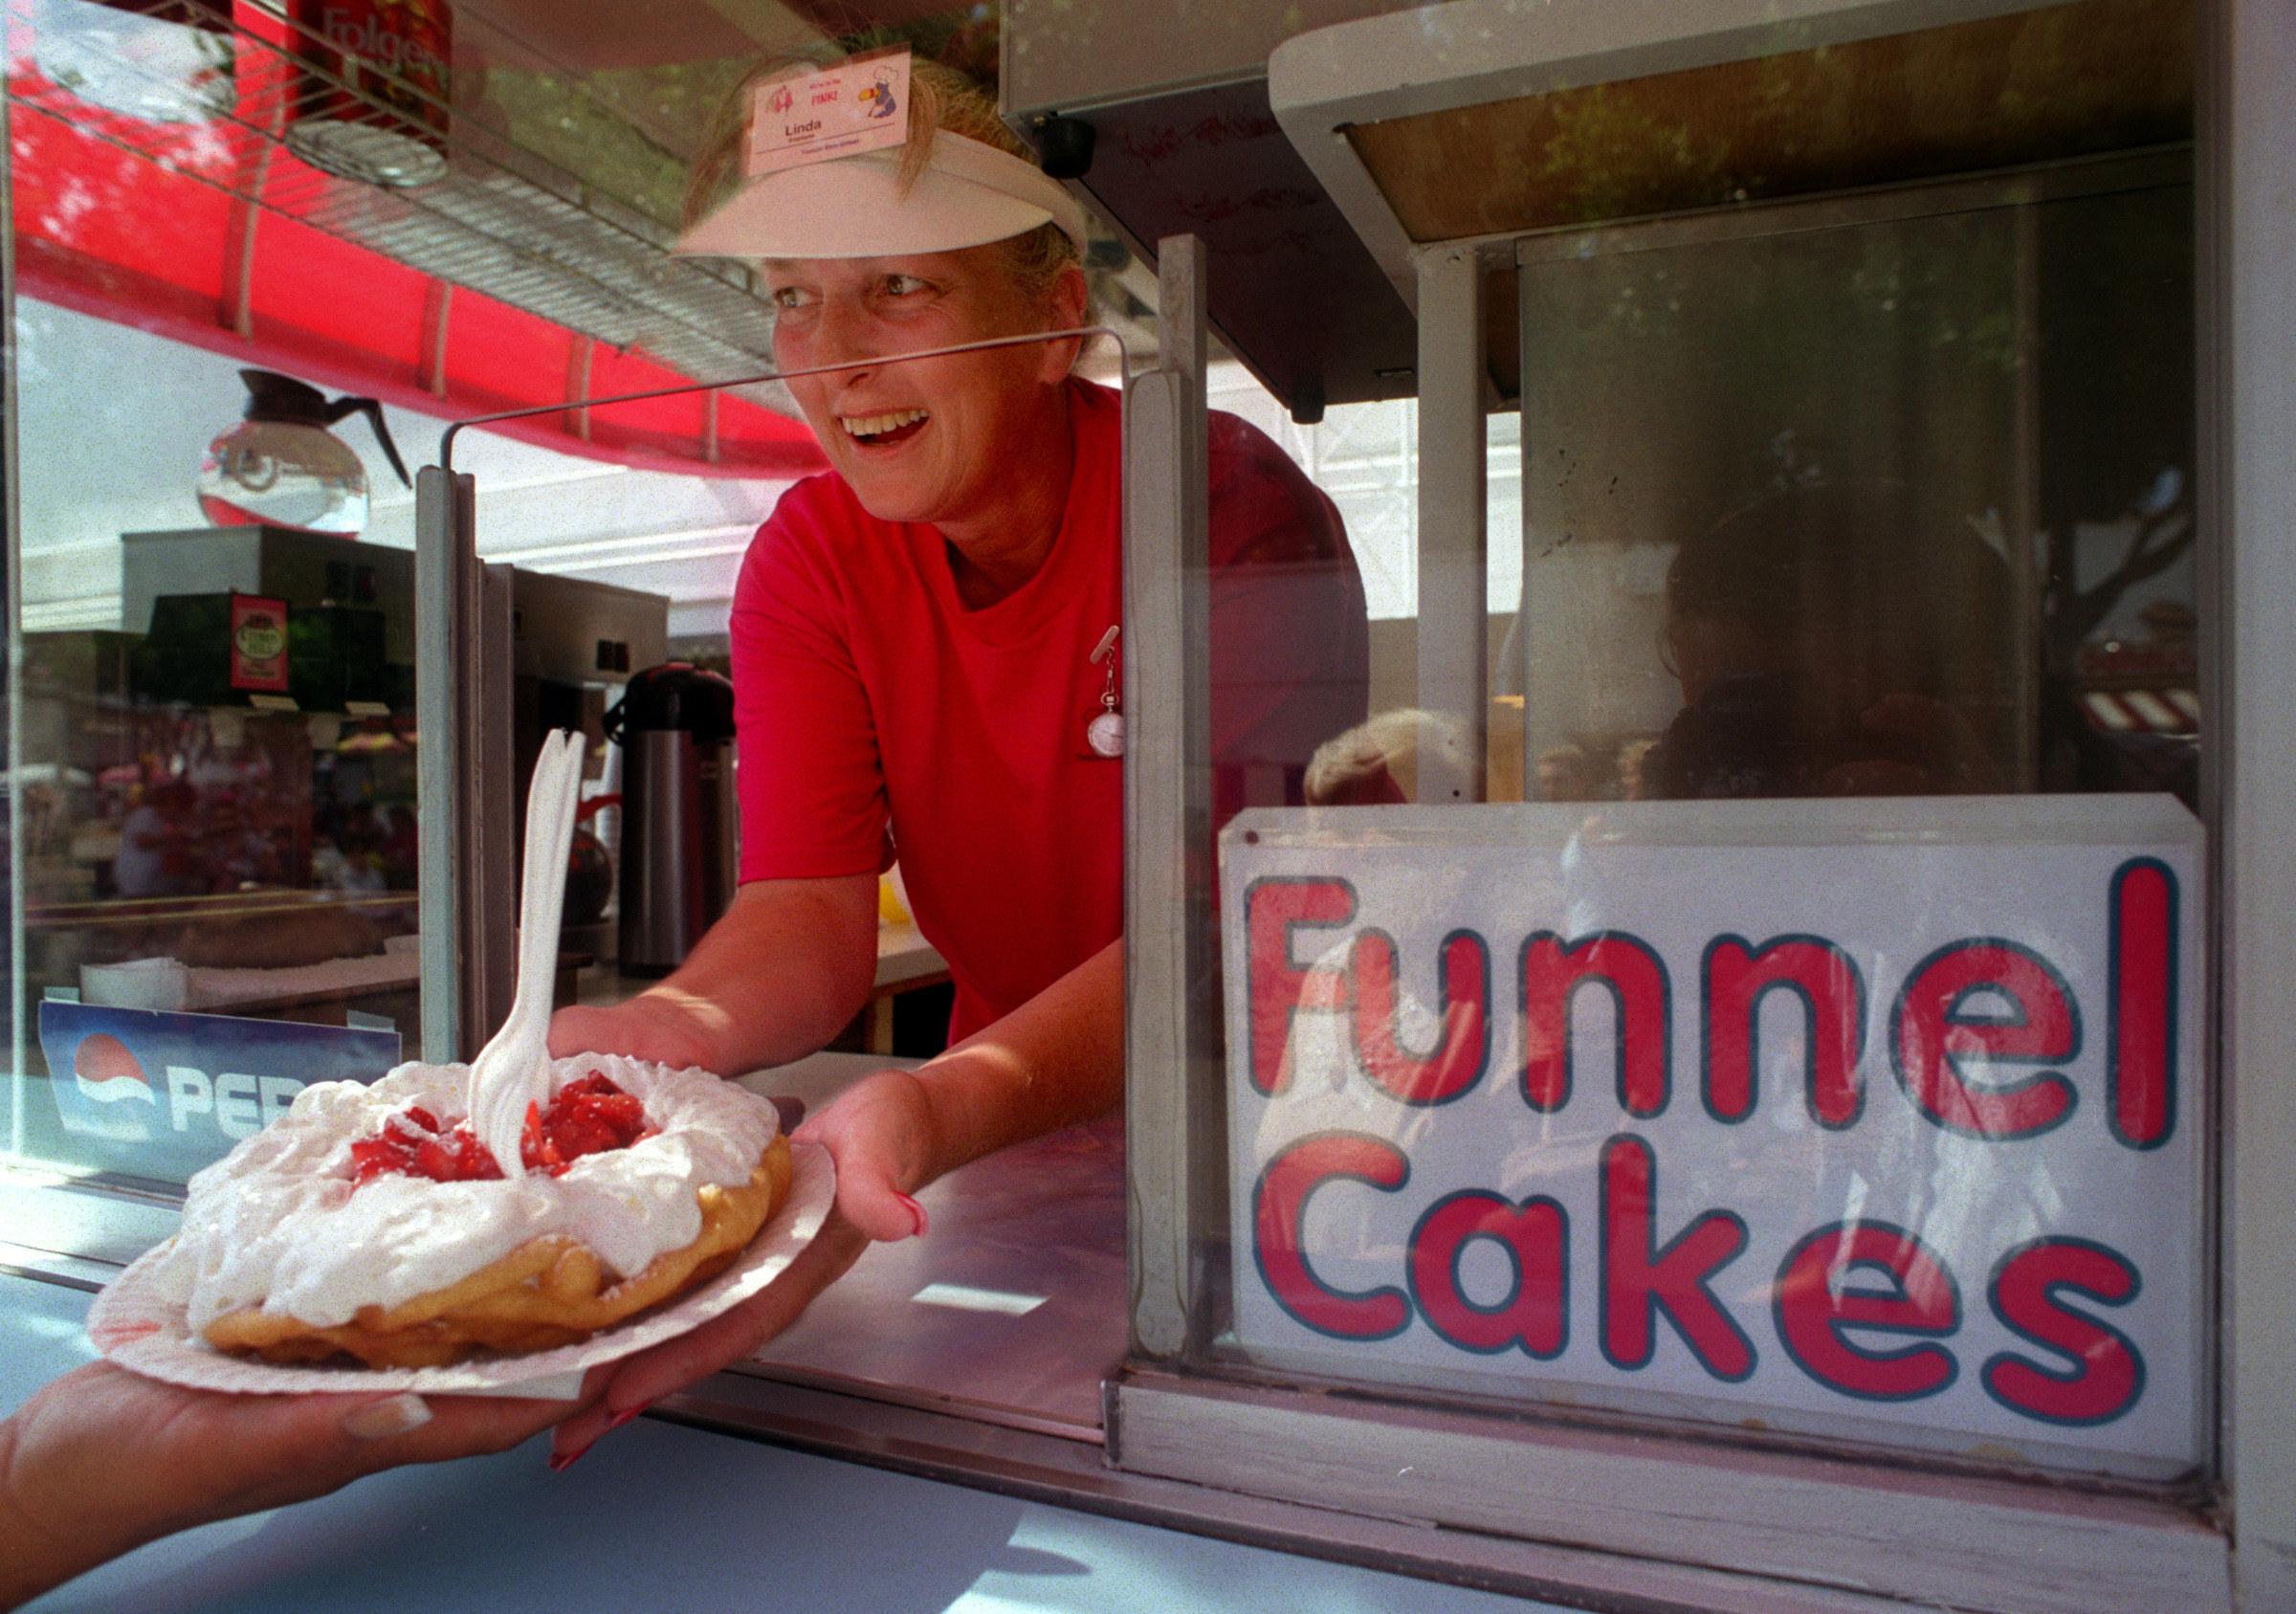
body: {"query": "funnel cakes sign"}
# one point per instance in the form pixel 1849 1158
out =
pixel 1862 1120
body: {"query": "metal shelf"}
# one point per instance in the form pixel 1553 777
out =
pixel 499 220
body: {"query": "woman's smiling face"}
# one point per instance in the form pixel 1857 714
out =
pixel 934 440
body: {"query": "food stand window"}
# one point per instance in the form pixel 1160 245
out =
pixel 215 733
pixel 1736 1059
pixel 1669 1496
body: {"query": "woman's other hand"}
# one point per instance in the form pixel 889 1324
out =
pixel 778 975
pixel 662 1026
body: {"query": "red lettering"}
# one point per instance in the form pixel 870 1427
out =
pixel 1814 1304
pixel 1640 1280
pixel 2104 1373
pixel 1537 1239
pixel 1278 1208
pixel 1636 978
pixel 1462 1044
pixel 1940 1021
pixel 1833 1002
pixel 2140 1078
pixel 1274 908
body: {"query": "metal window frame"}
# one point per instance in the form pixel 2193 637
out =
pixel 466 888
pixel 2247 401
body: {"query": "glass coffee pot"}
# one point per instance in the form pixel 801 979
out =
pixel 281 466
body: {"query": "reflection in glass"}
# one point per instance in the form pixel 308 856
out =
pixel 1861 504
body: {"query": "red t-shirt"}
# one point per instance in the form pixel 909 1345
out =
pixel 879 717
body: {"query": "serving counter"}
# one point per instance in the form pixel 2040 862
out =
pixel 660 1516
pixel 926 1438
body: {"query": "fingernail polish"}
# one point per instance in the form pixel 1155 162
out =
pixel 561 1461
pixel 624 1417
pixel 916 1210
pixel 380 1420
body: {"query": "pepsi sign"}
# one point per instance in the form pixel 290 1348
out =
pixel 157 1094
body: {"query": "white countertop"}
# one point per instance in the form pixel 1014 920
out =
pixel 663 1517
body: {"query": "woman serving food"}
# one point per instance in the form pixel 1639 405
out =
pixel 927 661
pixel 926 652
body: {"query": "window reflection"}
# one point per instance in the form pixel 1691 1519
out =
pixel 1836 639
pixel 1886 500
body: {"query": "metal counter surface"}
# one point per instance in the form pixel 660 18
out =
pixel 1010 1310
pixel 660 1516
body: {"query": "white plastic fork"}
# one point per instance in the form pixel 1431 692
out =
pixel 512 1069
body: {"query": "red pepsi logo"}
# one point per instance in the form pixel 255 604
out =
pixel 108 1073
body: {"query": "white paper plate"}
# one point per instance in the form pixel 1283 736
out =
pixel 142 1330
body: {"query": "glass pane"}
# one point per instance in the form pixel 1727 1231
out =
pixel 218 749
pixel 217 744
pixel 1891 507
pixel 1807 1028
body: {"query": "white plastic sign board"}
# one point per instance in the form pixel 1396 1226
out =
pixel 1877 1121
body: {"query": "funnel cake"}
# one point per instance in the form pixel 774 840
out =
pixel 323 1237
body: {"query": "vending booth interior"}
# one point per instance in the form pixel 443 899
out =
pixel 1751 1080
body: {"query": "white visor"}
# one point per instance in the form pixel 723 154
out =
pixel 853 207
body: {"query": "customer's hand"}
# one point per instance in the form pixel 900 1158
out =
pixel 103 1459
pixel 636 1381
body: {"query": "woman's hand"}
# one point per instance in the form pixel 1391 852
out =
pixel 778 975
pixel 880 1132
pixel 657 1026
pixel 1055 1060
pixel 103 1459
pixel 875 1133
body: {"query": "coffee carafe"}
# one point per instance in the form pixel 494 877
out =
pixel 676 726
pixel 280 466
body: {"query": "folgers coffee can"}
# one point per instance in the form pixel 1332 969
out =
pixel 370 103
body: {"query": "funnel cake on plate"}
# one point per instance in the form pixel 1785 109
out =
pixel 369 1223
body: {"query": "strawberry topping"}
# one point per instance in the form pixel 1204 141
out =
pixel 589 1115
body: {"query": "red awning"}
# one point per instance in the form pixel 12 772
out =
pixel 151 226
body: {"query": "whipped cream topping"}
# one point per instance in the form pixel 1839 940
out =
pixel 276 1223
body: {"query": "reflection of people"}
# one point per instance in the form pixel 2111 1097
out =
pixel 1833 639
pixel 1567 773
pixel 1633 757
pixel 922 641
pixel 103 1460
pixel 157 855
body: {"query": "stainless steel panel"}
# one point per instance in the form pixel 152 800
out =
pixel 1171 961
pixel 677 845
pixel 1453 676
pixel 574 631
pixel 463 797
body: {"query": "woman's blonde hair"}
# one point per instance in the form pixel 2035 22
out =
pixel 939 98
